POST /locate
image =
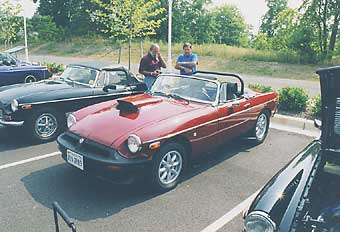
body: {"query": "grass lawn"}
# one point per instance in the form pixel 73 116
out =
pixel 212 57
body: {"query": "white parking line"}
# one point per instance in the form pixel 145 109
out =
pixel 225 219
pixel 29 160
pixel 295 130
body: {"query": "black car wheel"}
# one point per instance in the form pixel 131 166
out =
pixel 168 167
pixel 30 79
pixel 261 128
pixel 45 125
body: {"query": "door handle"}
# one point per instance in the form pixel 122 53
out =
pixel 246 105
pixel 236 104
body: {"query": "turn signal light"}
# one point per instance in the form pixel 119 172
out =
pixel 27 107
pixel 155 145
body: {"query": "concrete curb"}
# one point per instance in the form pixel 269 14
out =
pixel 295 124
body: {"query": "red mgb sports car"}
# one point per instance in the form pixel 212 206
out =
pixel 159 132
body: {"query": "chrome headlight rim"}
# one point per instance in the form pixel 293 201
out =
pixel 71 120
pixel 15 105
pixel 260 216
pixel 134 143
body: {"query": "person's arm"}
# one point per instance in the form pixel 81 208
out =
pixel 163 64
pixel 192 63
pixel 181 68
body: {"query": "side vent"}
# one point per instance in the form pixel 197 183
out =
pixel 337 117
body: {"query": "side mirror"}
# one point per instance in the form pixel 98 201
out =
pixel 108 87
pixel 317 124
pixel 140 87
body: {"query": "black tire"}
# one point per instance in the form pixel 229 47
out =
pixel 264 120
pixel 30 79
pixel 156 181
pixel 52 116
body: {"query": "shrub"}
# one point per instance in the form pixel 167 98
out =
pixel 261 88
pixel 53 67
pixel 293 99
pixel 316 106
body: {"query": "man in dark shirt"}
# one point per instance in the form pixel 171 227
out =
pixel 151 64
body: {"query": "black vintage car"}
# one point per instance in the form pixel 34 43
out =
pixel 305 195
pixel 42 107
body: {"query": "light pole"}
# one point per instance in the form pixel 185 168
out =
pixel 25 32
pixel 170 36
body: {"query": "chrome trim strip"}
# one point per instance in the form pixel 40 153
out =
pixel 76 98
pixel 206 123
pixel 6 123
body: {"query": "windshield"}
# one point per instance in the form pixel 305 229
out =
pixel 80 74
pixel 188 88
pixel 7 59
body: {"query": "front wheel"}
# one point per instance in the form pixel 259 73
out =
pixel 168 167
pixel 260 131
pixel 45 125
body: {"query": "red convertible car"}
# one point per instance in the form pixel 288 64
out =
pixel 157 133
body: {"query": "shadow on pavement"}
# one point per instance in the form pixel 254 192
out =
pixel 13 138
pixel 86 198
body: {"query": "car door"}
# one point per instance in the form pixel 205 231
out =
pixel 233 114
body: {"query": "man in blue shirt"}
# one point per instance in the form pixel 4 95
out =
pixel 188 61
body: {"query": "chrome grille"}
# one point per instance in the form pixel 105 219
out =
pixel 1 114
pixel 337 117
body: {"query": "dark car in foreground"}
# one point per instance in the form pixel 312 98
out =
pixel 305 195
pixel 14 71
pixel 42 107
pixel 158 133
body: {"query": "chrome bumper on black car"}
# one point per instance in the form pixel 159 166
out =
pixel 8 123
pixel 101 160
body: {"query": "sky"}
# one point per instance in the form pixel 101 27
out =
pixel 252 10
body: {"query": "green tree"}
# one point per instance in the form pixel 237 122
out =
pixel 43 28
pixel 268 20
pixel 324 15
pixel 72 15
pixel 10 23
pixel 125 20
pixel 229 25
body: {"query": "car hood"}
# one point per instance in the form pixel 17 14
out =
pixel 282 195
pixel 25 93
pixel 108 124
pixel 330 85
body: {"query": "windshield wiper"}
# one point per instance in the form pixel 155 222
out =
pixel 159 93
pixel 177 97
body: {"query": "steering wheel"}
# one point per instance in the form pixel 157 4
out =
pixel 205 92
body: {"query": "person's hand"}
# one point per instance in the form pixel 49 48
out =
pixel 187 70
pixel 155 73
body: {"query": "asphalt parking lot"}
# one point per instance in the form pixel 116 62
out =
pixel 215 185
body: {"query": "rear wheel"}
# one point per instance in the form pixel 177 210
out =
pixel 169 166
pixel 45 125
pixel 30 79
pixel 261 128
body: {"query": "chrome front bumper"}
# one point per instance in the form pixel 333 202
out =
pixel 10 123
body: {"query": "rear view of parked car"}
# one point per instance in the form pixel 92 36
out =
pixel 305 195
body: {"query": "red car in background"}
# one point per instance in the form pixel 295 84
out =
pixel 157 133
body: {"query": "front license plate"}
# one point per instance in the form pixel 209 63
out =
pixel 75 159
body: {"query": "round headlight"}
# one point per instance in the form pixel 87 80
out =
pixel 134 143
pixel 71 120
pixel 14 105
pixel 259 222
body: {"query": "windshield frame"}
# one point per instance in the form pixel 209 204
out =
pixel 80 83
pixel 218 84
